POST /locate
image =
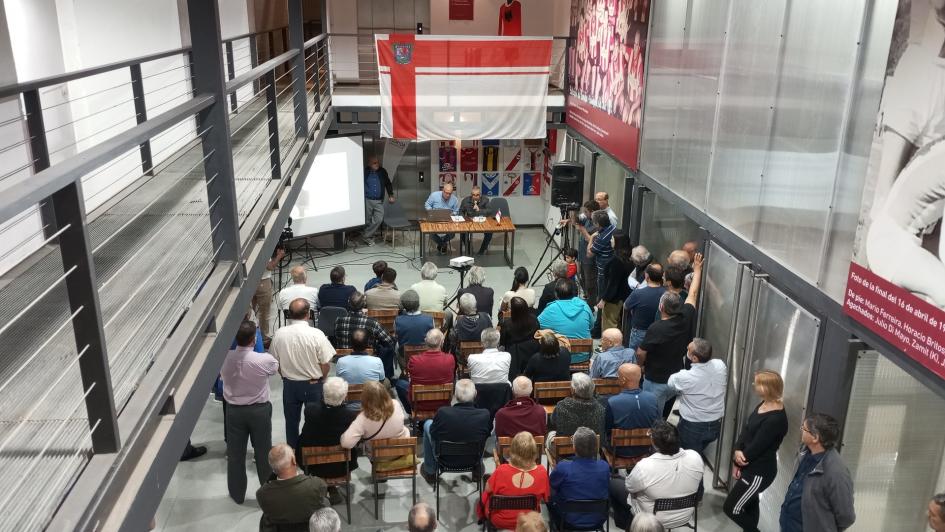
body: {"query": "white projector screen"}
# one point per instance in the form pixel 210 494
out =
pixel 332 196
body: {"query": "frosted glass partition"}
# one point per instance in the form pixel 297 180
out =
pixel 663 228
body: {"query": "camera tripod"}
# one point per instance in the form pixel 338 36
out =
pixel 565 233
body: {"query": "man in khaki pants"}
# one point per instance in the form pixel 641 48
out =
pixel 262 299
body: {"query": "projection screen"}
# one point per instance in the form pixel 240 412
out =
pixel 332 197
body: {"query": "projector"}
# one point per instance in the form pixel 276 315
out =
pixel 461 262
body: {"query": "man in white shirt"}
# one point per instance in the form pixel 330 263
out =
pixel 668 473
pixel 701 395
pixel 304 356
pixel 603 199
pixel 298 289
pixel 432 294
pixel 492 365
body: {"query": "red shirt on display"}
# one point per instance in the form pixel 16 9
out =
pixel 510 20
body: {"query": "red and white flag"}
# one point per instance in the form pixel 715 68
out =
pixel 437 87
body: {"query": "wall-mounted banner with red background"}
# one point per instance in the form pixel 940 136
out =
pixel 896 285
pixel 461 9
pixel 606 74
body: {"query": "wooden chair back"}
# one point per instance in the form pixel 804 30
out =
pixel 385 317
pixel 504 443
pixel 581 345
pixel 466 349
pixel 409 351
pixel 438 317
pixel 562 447
pixel 606 386
pixel 354 392
pixel 630 438
pixel 332 454
pixel 428 392
pixel 551 392
pixel 343 351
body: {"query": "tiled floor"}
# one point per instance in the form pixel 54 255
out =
pixel 196 499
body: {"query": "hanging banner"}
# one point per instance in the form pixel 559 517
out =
pixel 461 9
pixel 896 284
pixel 606 74
pixel 394 150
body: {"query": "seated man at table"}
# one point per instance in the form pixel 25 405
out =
pixel 475 204
pixel 360 367
pixel 442 199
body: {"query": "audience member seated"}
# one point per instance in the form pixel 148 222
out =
pixel 490 366
pixel 337 293
pixel 460 423
pixel 381 417
pixel 584 477
pixel 701 393
pixel 378 268
pixel 643 304
pixel 519 289
pixel 325 520
pixel 484 295
pixel 530 522
pixel 298 288
pixel 612 355
pixel 412 325
pixel 552 362
pixel 384 296
pixel 433 366
pixel 289 500
pixel 360 367
pixel 632 408
pixel 422 518
pixel 522 413
pixel 521 475
pixel 581 409
pixel 559 270
pixel 432 294
pixel 668 338
pixel 671 472
pixel 325 422
pixel 568 316
pixel 616 274
pixel 382 342
pixel 646 522
pixel 518 335
pixel 470 323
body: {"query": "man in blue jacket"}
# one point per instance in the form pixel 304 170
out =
pixel 376 182
pixel 568 316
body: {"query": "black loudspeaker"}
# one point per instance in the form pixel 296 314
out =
pixel 567 184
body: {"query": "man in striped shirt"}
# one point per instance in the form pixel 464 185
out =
pixel 601 245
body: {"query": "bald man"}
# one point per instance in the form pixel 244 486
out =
pixel 298 289
pixel 691 248
pixel 603 199
pixel 612 355
pixel 442 199
pixel 376 182
pixel 291 497
pixel 632 408
pixel 422 518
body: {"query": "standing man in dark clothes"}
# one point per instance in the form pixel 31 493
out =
pixel 462 422
pixel 376 182
pixel 475 204
pixel 665 344
pixel 644 304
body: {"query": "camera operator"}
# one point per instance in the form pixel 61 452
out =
pixel 262 299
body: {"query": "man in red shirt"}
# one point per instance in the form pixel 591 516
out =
pixel 522 413
pixel 433 366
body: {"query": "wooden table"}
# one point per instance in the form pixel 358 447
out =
pixel 468 227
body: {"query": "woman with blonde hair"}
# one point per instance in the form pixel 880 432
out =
pixel 756 451
pixel 381 417
pixel 521 475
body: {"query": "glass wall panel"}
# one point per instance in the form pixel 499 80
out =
pixel 663 228
pixel 893 444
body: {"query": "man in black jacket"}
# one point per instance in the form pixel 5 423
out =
pixel 462 422
pixel 475 204
pixel 376 182
pixel 559 270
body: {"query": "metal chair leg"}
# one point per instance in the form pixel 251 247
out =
pixel 437 489
pixel 348 500
pixel 376 513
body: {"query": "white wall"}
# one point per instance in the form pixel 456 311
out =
pixel 343 18
pixel 539 17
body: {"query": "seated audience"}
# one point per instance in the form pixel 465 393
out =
pixel 422 518
pixel 433 366
pixel 522 413
pixel 325 520
pixel 378 337
pixel 581 409
pixel 559 270
pixel 518 335
pixel 432 294
pixel 530 522
pixel 325 422
pixel 412 325
pixel 484 295
pixel 521 475
pixel 298 288
pixel 384 296
pixel 568 316
pixel 671 472
pixel 381 417
pixel 470 323
pixel 378 268
pixel 584 477
pixel 616 289
pixel 519 289
pixel 461 422
pixel 360 367
pixel 288 501
pixel 646 522
pixel 701 394
pixel 612 355
pixel 643 304
pixel 492 365
pixel 552 362
pixel 632 408
pixel 337 293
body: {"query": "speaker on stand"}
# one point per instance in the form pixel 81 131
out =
pixel 567 189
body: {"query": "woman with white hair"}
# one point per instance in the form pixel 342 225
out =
pixel 325 422
pixel 475 280
pixel 471 322
pixel 432 294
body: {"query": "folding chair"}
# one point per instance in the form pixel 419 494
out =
pixel 422 393
pixel 392 448
pixel 626 438
pixel 438 317
pixel 604 387
pixel 395 218
pixel 599 507
pixel 581 345
pixel 548 394
pixel 466 349
pixel 472 451
pixel 385 317
pixel 525 503
pixel 331 455
pixel 680 503
pixel 327 318
pixel 562 449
